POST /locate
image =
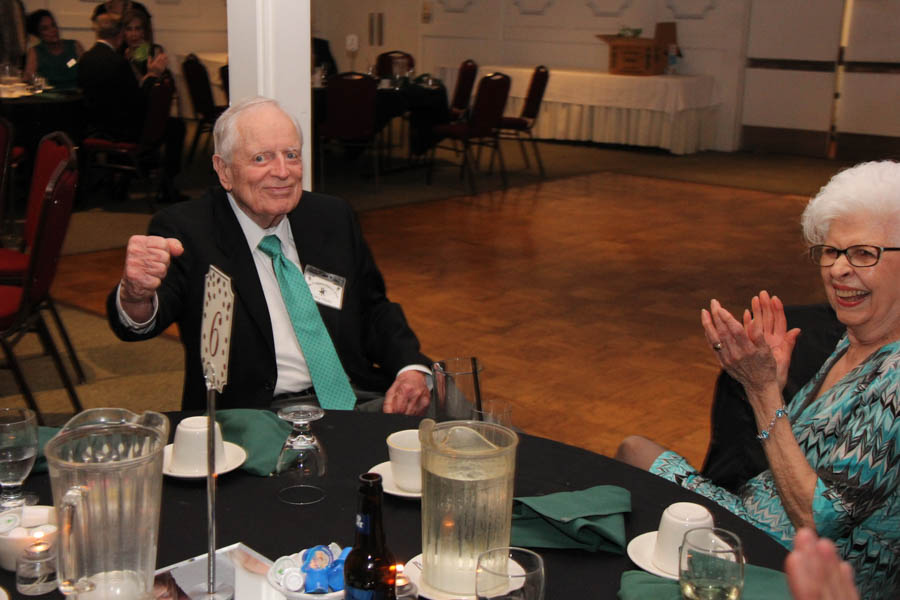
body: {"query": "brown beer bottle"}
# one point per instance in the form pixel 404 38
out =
pixel 369 570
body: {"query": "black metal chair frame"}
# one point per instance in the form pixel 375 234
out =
pixel 196 77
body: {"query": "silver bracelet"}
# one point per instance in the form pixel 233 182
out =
pixel 765 433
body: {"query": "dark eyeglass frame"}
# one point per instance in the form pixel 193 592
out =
pixel 879 250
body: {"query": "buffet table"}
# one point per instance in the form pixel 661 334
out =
pixel 674 112
pixel 249 511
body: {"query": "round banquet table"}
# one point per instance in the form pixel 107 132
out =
pixel 248 510
pixel 36 115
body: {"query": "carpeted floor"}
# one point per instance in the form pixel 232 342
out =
pixel 132 376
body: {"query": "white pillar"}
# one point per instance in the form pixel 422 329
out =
pixel 269 55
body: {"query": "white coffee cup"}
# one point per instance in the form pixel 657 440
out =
pixel 406 459
pixel 677 519
pixel 189 447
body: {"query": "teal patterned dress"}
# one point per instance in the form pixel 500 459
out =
pixel 851 438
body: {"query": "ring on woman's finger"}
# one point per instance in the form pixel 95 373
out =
pixel 717 346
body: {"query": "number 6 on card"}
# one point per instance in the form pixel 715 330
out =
pixel 215 337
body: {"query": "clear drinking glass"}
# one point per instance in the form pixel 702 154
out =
pixel 18 450
pixel 509 574
pixel 457 388
pixel 711 565
pixel 302 461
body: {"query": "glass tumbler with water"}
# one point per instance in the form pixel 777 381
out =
pixel 106 474
pixel 467 492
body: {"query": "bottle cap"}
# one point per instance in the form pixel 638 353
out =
pixel 293 580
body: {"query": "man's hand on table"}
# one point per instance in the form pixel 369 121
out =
pixel 408 395
pixel 147 260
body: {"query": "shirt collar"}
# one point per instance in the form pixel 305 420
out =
pixel 253 232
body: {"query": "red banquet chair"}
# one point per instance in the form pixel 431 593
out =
pixel 21 305
pixel 515 127
pixel 462 92
pixel 143 158
pixel 479 128
pixel 54 150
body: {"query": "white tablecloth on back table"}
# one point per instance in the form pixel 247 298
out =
pixel 675 112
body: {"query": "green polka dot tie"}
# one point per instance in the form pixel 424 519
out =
pixel 328 377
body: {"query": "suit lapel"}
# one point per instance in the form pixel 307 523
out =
pixel 240 266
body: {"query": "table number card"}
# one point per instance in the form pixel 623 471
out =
pixel 215 340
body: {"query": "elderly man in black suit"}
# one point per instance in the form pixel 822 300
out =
pixel 258 164
pixel 113 97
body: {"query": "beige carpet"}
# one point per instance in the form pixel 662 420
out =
pixel 137 376
pixel 102 230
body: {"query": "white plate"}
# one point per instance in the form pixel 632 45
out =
pixel 640 551
pixel 387 481
pixel 3 594
pixel 234 457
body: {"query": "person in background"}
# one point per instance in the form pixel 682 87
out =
pixel 117 10
pixel 54 59
pixel 833 452
pixel 139 51
pixel 138 48
pixel 114 102
pixel 300 269
pixel 816 572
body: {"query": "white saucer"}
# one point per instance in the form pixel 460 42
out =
pixel 234 457
pixel 413 570
pixel 387 481
pixel 640 551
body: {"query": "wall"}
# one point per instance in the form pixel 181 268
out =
pixel 562 34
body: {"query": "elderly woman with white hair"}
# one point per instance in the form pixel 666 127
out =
pixel 834 450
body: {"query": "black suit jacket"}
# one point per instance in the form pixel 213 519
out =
pixel 113 101
pixel 370 333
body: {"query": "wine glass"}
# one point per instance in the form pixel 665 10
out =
pixel 711 564
pixel 302 458
pixel 18 451
pixel 509 574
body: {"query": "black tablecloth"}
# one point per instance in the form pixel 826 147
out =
pixel 35 116
pixel 249 511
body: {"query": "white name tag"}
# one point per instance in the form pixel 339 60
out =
pixel 327 289
pixel 72 62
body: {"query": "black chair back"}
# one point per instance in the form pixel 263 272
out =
pixel 197 79
pixel 384 64
pixel 465 81
pixel 349 107
pixel 223 76
pixel 535 92
pixel 490 101
pixel 159 101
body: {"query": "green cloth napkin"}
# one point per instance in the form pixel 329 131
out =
pixel 760 583
pixel 592 519
pixel 260 432
pixel 44 435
